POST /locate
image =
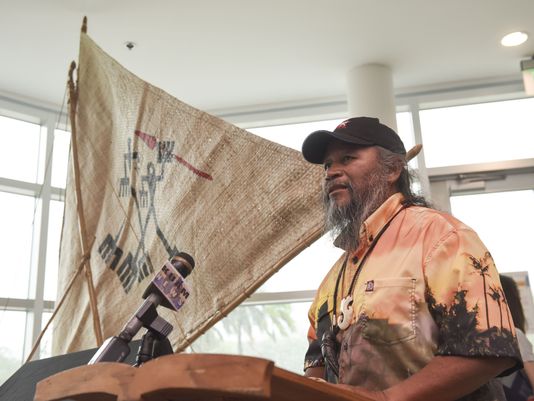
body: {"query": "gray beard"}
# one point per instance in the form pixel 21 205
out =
pixel 344 222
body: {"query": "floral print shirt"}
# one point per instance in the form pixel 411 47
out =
pixel 429 287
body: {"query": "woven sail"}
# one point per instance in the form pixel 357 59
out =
pixel 157 177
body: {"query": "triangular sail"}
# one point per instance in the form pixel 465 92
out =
pixel 157 177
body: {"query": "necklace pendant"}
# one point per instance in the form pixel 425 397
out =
pixel 345 317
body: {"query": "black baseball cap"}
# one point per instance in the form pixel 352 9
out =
pixel 365 131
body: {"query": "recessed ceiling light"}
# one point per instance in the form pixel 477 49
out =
pixel 514 39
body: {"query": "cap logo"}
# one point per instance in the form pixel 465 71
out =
pixel 343 125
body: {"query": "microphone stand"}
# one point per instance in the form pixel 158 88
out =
pixel 153 345
pixel 116 349
pixel 166 288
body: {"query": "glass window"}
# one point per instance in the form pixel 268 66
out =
pixel 292 135
pixel 478 133
pixel 19 153
pixel 277 332
pixel 13 325
pixel 16 232
pixel 55 224
pixel 507 235
pixel 60 158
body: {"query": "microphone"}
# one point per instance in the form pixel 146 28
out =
pixel 169 289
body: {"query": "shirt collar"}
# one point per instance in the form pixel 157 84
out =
pixel 374 223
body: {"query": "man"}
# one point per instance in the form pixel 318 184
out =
pixel 413 310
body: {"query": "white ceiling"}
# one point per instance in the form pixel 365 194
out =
pixel 229 54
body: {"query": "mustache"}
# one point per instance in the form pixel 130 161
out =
pixel 329 186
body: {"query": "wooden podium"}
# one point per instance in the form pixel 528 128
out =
pixel 188 377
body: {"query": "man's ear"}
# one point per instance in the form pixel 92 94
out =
pixel 394 174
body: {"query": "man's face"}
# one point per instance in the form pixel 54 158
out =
pixel 348 165
pixel 356 184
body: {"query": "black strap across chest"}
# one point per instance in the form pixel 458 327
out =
pixel 360 266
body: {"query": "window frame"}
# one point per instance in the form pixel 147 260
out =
pixel 35 305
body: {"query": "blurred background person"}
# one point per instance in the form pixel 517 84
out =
pixel 519 385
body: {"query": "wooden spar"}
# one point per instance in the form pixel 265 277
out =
pixel 84 25
pixel 73 100
pixel 413 152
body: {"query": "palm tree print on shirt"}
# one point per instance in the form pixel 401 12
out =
pixel 495 294
pixel 481 267
pixel 458 325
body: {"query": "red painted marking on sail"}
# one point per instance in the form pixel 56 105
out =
pixel 151 142
pixel 193 169
pixel 148 139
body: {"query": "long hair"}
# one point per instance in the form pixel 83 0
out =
pixel 394 161
pixel 511 292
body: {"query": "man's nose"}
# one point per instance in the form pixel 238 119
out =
pixel 333 171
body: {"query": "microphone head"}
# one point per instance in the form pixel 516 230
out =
pixel 169 283
pixel 184 263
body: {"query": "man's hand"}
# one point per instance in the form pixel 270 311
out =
pixel 447 378
pixel 318 379
pixel 317 372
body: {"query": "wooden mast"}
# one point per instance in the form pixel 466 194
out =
pixel 86 250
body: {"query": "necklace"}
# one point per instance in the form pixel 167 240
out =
pixel 346 312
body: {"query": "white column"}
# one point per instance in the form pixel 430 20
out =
pixel 370 93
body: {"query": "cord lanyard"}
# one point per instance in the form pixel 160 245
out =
pixel 346 311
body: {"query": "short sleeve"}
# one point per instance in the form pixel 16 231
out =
pixel 466 299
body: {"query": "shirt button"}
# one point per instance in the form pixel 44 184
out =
pixel 371 238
